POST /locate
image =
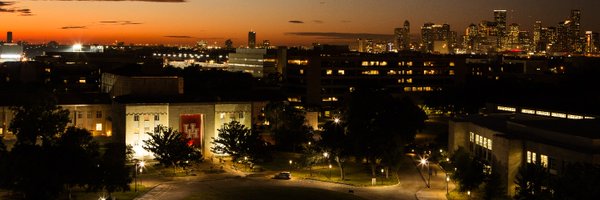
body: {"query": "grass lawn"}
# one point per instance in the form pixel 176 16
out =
pixel 267 193
pixel 356 174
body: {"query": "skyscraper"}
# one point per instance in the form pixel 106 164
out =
pixel 500 19
pixel 537 36
pixel 9 37
pixel 430 33
pixel 402 37
pixel 252 39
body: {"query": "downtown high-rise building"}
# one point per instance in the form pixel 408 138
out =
pixel 402 37
pixel 500 20
pixel 252 39
pixel 435 38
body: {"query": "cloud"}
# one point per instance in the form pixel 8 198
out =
pixel 317 21
pixel 119 22
pixel 296 22
pixel 340 36
pixel 8 7
pixel 179 36
pixel 73 27
pixel 156 1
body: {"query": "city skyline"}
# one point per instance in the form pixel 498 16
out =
pixel 283 22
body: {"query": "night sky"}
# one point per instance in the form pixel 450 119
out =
pixel 284 22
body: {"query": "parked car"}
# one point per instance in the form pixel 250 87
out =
pixel 283 175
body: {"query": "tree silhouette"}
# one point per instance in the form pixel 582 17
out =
pixel 170 148
pixel 238 141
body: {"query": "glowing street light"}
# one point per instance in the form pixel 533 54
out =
pixel 329 171
pixel 424 161
pixel 447 181
pixel 336 120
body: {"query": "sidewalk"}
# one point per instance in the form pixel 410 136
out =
pixel 439 186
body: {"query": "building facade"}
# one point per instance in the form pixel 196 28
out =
pixel 511 136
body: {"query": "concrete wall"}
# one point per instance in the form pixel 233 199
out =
pixel 136 129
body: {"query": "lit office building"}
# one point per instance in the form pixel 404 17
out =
pixel 402 37
pixel 258 62
pixel 252 39
pixel 513 136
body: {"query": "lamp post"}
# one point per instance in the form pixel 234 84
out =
pixel 469 194
pixel 329 171
pixel 246 162
pixel 382 180
pixel 290 164
pixel 447 181
pixel 424 162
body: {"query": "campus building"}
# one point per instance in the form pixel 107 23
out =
pixel 511 136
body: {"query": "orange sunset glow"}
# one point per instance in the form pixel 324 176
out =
pixel 283 22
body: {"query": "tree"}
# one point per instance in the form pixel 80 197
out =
pixel 335 142
pixel 170 148
pixel 42 119
pixel 532 182
pixel 112 173
pixel 493 184
pixel 377 122
pixel 238 141
pixel 78 157
pixel 288 126
pixel 469 171
pixel 578 181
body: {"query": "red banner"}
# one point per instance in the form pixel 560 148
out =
pixel 191 127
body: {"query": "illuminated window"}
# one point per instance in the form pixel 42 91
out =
pixel 365 63
pixel 505 108
pixel 81 80
pixel 407 89
pixel 301 71
pixel 391 72
pixel 371 72
pixel 222 115
pixel 298 62
pixel 528 156
pixel 99 127
pixel 401 80
pixel 542 113
pixel 544 160
pixel 574 116
pixel 528 111
pixel 409 80
pixel 383 63
pixel 451 72
pixel 471 136
pixel 451 64
pixel 294 99
pixel 533 158
pixel 559 115
pixel 47 70
pixel 489 143
pixel 329 72
pixel 409 64
pixel 409 72
pixel 341 72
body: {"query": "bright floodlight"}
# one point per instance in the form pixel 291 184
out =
pixel 423 161
pixel 336 120
pixel 77 47
pixel 325 154
pixel 142 163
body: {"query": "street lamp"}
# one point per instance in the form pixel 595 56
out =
pixel 329 171
pixel 447 181
pixel 138 165
pixel 382 176
pixel 425 162
pixel 290 164
pixel 336 120
pixel 246 162
pixel 469 194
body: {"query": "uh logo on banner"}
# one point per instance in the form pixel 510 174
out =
pixel 191 127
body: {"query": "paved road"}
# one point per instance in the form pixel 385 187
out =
pixel 215 185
